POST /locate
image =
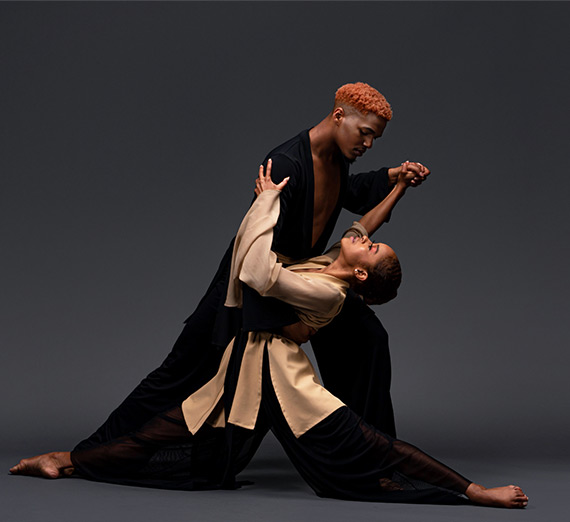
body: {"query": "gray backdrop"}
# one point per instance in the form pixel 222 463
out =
pixel 130 137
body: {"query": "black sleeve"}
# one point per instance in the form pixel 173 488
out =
pixel 283 167
pixel 366 190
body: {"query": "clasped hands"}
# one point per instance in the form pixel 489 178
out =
pixel 410 173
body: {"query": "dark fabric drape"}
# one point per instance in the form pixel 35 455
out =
pixel 341 457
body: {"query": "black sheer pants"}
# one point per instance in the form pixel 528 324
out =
pixel 341 457
pixel 164 454
pixel 345 457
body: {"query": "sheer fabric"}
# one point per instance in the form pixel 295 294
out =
pixel 341 457
pixel 163 454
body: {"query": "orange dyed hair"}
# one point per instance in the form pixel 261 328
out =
pixel 364 99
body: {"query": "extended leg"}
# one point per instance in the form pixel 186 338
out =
pixel 344 457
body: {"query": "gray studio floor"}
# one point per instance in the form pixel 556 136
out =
pixel 277 495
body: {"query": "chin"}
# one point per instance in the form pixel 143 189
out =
pixel 351 160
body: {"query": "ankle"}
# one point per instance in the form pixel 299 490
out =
pixel 474 491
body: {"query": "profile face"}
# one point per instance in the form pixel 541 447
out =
pixel 356 132
pixel 361 252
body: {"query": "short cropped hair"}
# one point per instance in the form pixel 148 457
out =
pixel 363 98
pixel 382 282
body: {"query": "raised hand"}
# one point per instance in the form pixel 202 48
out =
pixel 402 173
pixel 264 181
pixel 421 171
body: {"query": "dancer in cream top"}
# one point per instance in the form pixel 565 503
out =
pixel 317 298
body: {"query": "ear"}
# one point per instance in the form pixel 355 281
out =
pixel 338 114
pixel 361 274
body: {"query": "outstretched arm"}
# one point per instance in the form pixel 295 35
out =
pixel 366 189
pixel 373 219
pixel 253 262
pixel 298 332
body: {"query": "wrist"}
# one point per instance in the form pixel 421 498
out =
pixel 393 174
pixel 401 187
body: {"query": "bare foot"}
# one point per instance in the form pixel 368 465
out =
pixel 506 496
pixel 49 465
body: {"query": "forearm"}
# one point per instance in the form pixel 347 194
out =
pixel 253 263
pixel 373 219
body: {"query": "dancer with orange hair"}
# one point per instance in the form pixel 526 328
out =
pixel 317 164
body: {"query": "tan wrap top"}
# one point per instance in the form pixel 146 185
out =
pixel 317 298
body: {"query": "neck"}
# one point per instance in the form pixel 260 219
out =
pixel 323 144
pixel 340 270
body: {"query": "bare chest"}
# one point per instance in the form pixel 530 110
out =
pixel 327 191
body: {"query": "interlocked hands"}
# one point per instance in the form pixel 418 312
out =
pixel 410 173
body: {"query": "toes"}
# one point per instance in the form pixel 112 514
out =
pixel 18 468
pixel 520 502
pixel 51 473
